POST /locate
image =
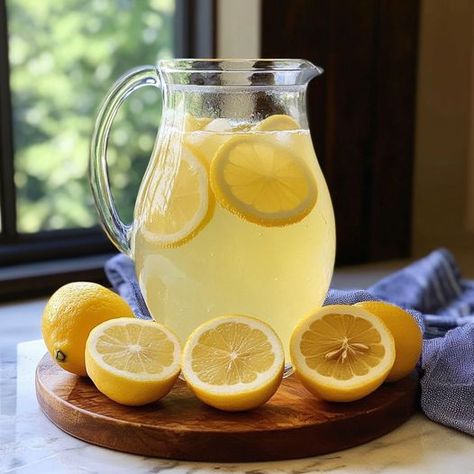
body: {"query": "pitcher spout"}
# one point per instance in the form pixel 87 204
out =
pixel 238 72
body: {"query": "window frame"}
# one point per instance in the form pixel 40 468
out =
pixel 194 36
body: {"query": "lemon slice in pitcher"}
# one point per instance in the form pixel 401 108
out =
pixel 233 362
pixel 262 181
pixel 185 204
pixel 277 122
pixel 192 123
pixel 342 353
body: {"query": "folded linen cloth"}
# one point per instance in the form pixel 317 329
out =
pixel 442 303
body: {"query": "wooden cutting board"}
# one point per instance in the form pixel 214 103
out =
pixel 293 424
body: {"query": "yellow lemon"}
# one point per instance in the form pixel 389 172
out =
pixel 218 125
pixel 262 181
pixel 406 333
pixel 182 205
pixel 133 362
pixel 69 316
pixel 277 122
pixel 233 362
pixel 342 353
pixel 192 123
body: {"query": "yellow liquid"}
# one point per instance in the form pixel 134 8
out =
pixel 233 266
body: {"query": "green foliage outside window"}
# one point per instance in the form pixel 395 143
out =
pixel 64 56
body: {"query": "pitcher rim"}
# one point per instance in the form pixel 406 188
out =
pixel 238 65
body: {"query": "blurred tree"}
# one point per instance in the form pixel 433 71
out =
pixel 64 56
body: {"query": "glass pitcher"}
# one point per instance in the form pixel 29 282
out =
pixel 233 215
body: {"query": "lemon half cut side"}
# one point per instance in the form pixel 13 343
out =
pixel 342 353
pixel 233 362
pixel 133 361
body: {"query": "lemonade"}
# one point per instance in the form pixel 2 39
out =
pixel 233 218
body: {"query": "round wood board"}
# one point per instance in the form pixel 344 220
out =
pixel 293 424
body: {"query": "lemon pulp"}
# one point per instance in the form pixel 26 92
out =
pixel 133 362
pixel 262 181
pixel 233 362
pixel 182 203
pixel 342 353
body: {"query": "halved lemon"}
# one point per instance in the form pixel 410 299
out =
pixel 184 204
pixel 277 122
pixel 132 361
pixel 342 353
pixel 233 362
pixel 262 181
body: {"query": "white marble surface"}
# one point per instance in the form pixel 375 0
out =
pixel 29 443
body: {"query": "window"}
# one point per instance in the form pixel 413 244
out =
pixel 63 58
pixel 57 61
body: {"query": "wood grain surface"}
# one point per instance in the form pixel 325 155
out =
pixel 293 424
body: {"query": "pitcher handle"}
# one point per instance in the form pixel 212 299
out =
pixel 116 230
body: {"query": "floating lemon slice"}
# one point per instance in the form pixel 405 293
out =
pixel 132 361
pixel 192 123
pixel 262 181
pixel 342 353
pixel 185 204
pixel 406 333
pixel 233 362
pixel 218 125
pixel 276 123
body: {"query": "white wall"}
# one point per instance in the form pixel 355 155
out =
pixel 238 28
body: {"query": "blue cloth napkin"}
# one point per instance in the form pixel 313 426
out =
pixel 442 303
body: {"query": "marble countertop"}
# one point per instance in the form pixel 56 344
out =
pixel 30 443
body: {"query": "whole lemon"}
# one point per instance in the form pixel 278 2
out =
pixel 70 315
pixel 406 334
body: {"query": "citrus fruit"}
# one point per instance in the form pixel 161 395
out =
pixel 406 333
pixel 262 181
pixel 218 125
pixel 185 204
pixel 342 353
pixel 233 362
pixel 192 123
pixel 70 314
pixel 132 361
pixel 277 122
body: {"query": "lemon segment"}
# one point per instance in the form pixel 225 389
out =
pixel 233 362
pixel 183 203
pixel 192 123
pixel 218 125
pixel 133 362
pixel 277 122
pixel 262 181
pixel 69 316
pixel 406 333
pixel 342 353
